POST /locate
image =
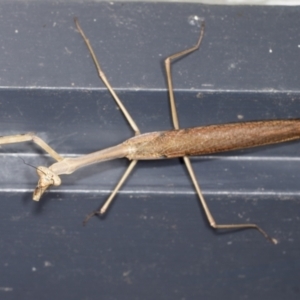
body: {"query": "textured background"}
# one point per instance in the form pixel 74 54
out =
pixel 155 242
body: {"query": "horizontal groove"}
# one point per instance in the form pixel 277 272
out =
pixel 137 89
pixel 160 192
pixel 249 158
pixel 204 157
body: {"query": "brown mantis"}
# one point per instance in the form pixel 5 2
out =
pixel 163 144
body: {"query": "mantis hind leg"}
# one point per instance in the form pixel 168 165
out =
pixel 208 214
pixel 168 62
pixel 187 161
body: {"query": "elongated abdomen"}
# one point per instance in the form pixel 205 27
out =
pixel 212 139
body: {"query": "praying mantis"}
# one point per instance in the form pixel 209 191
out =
pixel 163 144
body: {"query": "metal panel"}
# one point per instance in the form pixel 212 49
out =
pixel 155 242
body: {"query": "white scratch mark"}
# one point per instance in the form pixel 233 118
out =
pixel 68 51
pixel 6 289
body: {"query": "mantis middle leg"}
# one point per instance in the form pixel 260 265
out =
pixel 128 117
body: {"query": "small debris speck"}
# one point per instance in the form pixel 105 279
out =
pixel 194 20
pixel 126 273
pixel 47 264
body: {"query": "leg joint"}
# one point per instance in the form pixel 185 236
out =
pixel 213 225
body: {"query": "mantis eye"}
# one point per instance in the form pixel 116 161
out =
pixel 56 180
pixel 47 178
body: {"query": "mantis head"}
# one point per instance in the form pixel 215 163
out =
pixel 47 178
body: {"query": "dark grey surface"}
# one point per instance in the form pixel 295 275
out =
pixel 155 242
